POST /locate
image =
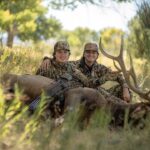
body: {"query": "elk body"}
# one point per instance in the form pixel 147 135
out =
pixel 90 99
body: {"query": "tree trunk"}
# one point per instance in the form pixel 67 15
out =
pixel 1 42
pixel 10 37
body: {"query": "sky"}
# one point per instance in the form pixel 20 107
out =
pixel 96 17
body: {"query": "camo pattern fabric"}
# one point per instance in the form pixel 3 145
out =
pixel 56 70
pixel 101 73
pixel 115 92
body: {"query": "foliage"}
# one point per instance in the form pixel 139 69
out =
pixel 143 13
pixel 17 60
pixel 78 37
pixel 26 19
pixel 111 38
pixel 45 28
pixel 72 4
pixel 24 131
pixel 139 36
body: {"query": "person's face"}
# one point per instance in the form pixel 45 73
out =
pixel 90 56
pixel 62 56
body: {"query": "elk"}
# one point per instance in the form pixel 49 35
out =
pixel 33 85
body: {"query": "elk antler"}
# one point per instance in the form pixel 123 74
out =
pixel 127 74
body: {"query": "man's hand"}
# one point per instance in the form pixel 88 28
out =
pixel 126 95
pixel 45 64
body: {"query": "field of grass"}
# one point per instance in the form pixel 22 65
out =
pixel 21 131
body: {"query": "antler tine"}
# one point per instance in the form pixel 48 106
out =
pixel 132 72
pixel 121 47
pixel 119 70
pixel 119 59
pixel 104 52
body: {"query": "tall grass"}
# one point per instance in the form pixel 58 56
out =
pixel 19 60
pixel 20 131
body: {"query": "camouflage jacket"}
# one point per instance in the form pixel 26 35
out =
pixel 56 70
pixel 99 72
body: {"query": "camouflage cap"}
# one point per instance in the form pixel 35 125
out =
pixel 91 46
pixel 61 45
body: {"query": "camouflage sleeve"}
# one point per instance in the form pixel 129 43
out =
pixel 41 71
pixel 81 77
pixel 74 63
pixel 84 79
pixel 106 74
pixel 101 72
pixel 118 77
pixel 78 75
pixel 94 82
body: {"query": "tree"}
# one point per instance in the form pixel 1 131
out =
pixel 79 36
pixel 26 18
pixel 85 35
pixel 139 36
pixel 72 4
pixel 45 28
pixel 111 38
pixel 23 18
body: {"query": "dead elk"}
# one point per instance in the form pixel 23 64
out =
pixel 33 85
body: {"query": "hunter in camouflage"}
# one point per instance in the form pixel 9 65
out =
pixel 100 73
pixel 59 66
